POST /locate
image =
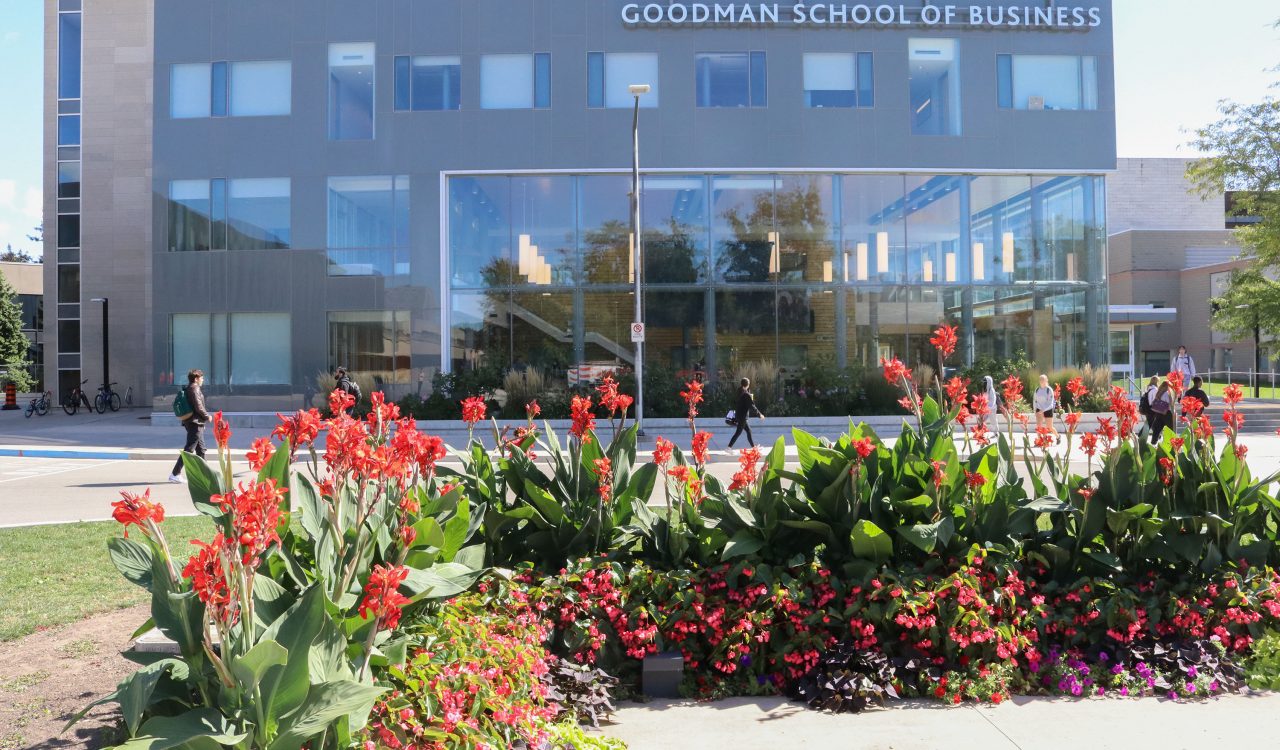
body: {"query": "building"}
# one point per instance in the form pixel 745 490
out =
pixel 27 281
pixel 401 186
pixel 1170 253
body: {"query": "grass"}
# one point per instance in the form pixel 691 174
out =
pixel 53 575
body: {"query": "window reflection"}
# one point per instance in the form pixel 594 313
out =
pixel 375 343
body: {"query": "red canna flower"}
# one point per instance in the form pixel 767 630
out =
pixel 381 413
pixel 1166 470
pixel 1203 427
pixel 260 453
pixel 532 410
pixel 1012 390
pixel 1072 418
pixel 137 510
pixel 864 447
pixel 209 570
pixel 1106 430
pixel 699 447
pixel 979 406
pixel 1077 388
pixel 956 389
pixel 973 480
pixel 944 340
pixel 662 451
pixel 340 401
pixel 939 474
pixel 1177 443
pixel 980 434
pixel 382 598
pixel 255 516
pixel 408 535
pixel 679 472
pixel 608 390
pixel 1232 395
pixel 1089 442
pixel 1176 383
pixel 300 429
pixel 692 395
pixel 1192 407
pixel 623 402
pixel 1086 493
pixel 473 410
pixel 604 476
pixel 1242 450
pixel 584 420
pixel 1234 420
pixel 1044 437
pixel 221 430
pixel 747 472
pixel 894 371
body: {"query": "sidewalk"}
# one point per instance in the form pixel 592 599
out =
pixel 1041 723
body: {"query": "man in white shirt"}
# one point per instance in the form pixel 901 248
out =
pixel 1184 364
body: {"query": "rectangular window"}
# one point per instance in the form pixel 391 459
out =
pixel 261 88
pixel 191 345
pixel 69 130
pixel 731 79
pixel 218 214
pixel 371 343
pixel 218 89
pixel 258 214
pixel 69 285
pixel 368 230
pixel 611 75
pixel 190 90
pixel 830 79
pixel 69 230
pixel 1047 82
pixel 351 91
pixel 189 215
pixel 69 179
pixel 515 81
pixel 934 83
pixel 866 77
pixel 428 83
pixel 68 55
pixel 261 349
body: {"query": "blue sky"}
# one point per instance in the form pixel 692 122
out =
pixel 1174 60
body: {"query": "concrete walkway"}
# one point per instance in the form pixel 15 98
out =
pixel 1238 721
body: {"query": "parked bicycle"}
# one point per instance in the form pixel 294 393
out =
pixel 106 398
pixel 71 404
pixel 40 404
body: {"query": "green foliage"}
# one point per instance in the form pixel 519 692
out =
pixel 1262 670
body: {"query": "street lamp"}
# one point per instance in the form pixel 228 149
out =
pixel 106 342
pixel 637 89
pixel 1257 351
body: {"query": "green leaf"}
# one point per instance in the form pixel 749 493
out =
pixel 132 559
pixel 249 668
pixel 440 581
pixel 929 537
pixel 134 693
pixel 870 542
pixel 544 502
pixel 325 703
pixel 202 484
pixel 284 687
pixel 199 728
pixel 312 507
pixel 456 531
pixel 743 543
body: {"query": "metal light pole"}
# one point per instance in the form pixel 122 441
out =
pixel 106 341
pixel 637 90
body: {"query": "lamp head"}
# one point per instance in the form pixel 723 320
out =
pixel 637 89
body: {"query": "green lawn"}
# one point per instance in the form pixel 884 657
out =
pixel 52 575
pixel 1215 389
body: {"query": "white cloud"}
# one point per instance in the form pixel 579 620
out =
pixel 8 192
pixel 33 203
pixel 5 228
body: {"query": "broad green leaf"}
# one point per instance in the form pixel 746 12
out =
pixel 202 484
pixel 544 502
pixel 199 728
pixel 929 537
pixel 133 560
pixel 440 581
pixel 456 530
pixel 743 543
pixel 249 668
pixel 325 703
pixel 284 687
pixel 870 542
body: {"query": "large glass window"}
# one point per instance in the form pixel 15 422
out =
pixel 934 255
pixel 1047 81
pixel 515 81
pixel 1065 212
pixel 1000 229
pixel 373 343
pixel 428 83
pixel 190 90
pixel 874 228
pixel 805 216
pixel 934 83
pixel 543 224
pixel 480 231
pixel 368 225
pixel 838 79
pixel 192 346
pixel 604 230
pixel 480 330
pixel 260 88
pixel 675 211
pixel 68 55
pixel 351 88
pixel 742 229
pixel 237 349
pixel 69 230
pixel 731 79
pixel 610 75
pixel 68 284
pixel 258 214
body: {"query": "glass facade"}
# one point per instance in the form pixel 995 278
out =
pixel 788 268
pixel 351 87
pixel 731 79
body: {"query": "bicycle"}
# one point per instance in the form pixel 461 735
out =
pixel 40 404
pixel 106 397
pixel 71 404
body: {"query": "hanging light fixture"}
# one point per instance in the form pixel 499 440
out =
pixel 979 262
pixel 950 267
pixel 928 271
pixel 525 258
pixel 882 252
pixel 1006 242
pixel 774 261
pixel 862 261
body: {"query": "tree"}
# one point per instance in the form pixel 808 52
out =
pixel 14 366
pixel 1244 148
pixel 15 256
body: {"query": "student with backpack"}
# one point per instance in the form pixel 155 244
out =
pixel 1161 411
pixel 1144 403
pixel 189 408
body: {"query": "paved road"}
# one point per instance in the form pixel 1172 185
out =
pixel 1040 723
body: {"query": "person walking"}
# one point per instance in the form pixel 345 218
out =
pixel 1144 403
pixel 193 422
pixel 1161 411
pixel 746 406
pixel 1045 403
pixel 1196 391
pixel 993 407
pixel 1184 364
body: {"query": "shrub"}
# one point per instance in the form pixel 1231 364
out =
pixel 522 386
pixel 1262 670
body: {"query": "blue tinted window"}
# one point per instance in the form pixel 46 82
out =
pixel 69 130
pixel 724 79
pixel 866 88
pixel 437 83
pixel 595 79
pixel 368 225
pixel 69 179
pixel 69 56
pixel 218 90
pixel 1004 81
pixel 542 80
pixel 218 213
pixel 351 88
pixel 759 80
pixel 401 99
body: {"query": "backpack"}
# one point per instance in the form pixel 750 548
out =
pixel 352 388
pixel 1144 405
pixel 182 406
pixel 731 418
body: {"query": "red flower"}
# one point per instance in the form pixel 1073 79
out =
pixel 473 410
pixel 260 453
pixel 1232 395
pixel 1077 388
pixel 1072 418
pixel 300 429
pixel 1166 470
pixel 747 473
pixel 1106 430
pixel 623 402
pixel 381 412
pixel 864 447
pixel 956 389
pixel 255 515
pixel 532 410
pixel 1089 442
pixel 662 451
pixel 894 371
pixel 1044 437
pixel 604 475
pixel 699 447
pixel 1192 407
pixel 1177 443
pixel 208 570
pixel 692 396
pixel 137 510
pixel 221 430
pixel 1234 420
pixel 939 474
pixel 973 479
pixel 979 406
pixel 340 401
pixel 679 472
pixel 944 340
pixel 382 599
pixel 584 420
pixel 1176 382
pixel 1012 390
pixel 1242 450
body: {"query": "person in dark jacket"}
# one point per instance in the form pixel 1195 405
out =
pixel 193 423
pixel 344 383
pixel 1196 391
pixel 746 406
